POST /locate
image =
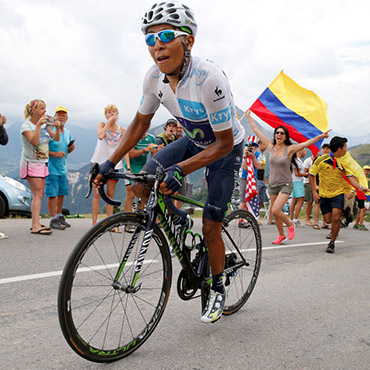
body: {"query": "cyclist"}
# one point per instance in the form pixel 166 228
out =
pixel 197 93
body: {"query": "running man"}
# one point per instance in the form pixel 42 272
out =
pixel 197 93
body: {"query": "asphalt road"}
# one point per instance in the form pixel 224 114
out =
pixel 309 310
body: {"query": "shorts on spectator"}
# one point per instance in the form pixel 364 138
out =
pixel 360 203
pixel 262 195
pixel 285 188
pixel 298 189
pixel 327 204
pixel 242 187
pixel 33 169
pixel 56 185
pixel 308 196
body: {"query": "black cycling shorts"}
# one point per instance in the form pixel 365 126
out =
pixel 220 175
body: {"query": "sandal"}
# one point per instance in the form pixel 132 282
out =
pixel 325 227
pixel 42 232
pixel 316 227
pixel 43 227
pixel 3 236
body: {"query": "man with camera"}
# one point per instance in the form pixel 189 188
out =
pixel 56 184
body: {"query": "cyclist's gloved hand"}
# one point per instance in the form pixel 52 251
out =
pixel 174 175
pixel 106 167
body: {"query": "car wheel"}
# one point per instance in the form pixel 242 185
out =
pixel 2 207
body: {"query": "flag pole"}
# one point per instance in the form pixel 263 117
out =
pixel 240 119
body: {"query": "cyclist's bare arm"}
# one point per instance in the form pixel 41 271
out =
pixel 131 137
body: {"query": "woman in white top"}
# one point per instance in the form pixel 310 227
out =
pixel 36 134
pixel 109 135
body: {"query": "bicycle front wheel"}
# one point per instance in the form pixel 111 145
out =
pixel 101 322
pixel 242 239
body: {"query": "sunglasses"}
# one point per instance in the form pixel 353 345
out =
pixel 279 133
pixel 163 36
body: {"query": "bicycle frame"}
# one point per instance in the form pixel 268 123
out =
pixel 157 207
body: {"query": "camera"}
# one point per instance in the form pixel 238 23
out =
pixel 250 147
pixel 50 119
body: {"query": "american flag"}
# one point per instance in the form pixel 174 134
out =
pixel 253 206
pixel 251 193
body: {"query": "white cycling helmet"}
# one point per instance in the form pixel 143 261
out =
pixel 172 12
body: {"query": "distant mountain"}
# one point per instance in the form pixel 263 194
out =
pixel 361 154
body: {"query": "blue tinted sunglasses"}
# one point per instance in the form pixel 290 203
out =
pixel 163 36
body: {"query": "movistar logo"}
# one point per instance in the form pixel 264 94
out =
pixel 177 174
pixel 194 133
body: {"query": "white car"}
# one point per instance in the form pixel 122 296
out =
pixel 15 198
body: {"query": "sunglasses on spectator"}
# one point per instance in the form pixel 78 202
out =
pixel 164 36
pixel 279 133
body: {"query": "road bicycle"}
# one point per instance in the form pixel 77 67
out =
pixel 115 286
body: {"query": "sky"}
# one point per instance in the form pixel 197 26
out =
pixel 85 54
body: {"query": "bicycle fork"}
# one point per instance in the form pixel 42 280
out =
pixel 132 288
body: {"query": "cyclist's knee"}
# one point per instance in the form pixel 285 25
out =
pixel 211 229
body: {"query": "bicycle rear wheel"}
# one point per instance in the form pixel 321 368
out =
pixel 99 322
pixel 242 238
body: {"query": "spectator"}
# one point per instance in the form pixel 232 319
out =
pixel 332 186
pixel 308 197
pixel 109 135
pixel 298 188
pixel 36 132
pixel 261 185
pixel 282 154
pixel 3 141
pixel 138 159
pixel 359 224
pixel 168 136
pixel 56 184
pixel 179 131
pixel 252 159
pixel 325 149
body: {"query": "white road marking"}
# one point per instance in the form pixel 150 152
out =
pixel 102 267
pixel 299 245
pixel 44 275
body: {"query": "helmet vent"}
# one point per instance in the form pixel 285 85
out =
pixel 189 15
pixel 158 17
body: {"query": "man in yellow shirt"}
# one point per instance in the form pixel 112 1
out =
pixel 332 186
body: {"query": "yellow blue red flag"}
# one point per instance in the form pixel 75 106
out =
pixel 301 111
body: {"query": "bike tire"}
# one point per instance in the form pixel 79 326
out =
pixel 103 324
pixel 240 283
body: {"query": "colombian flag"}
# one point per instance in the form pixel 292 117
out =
pixel 301 111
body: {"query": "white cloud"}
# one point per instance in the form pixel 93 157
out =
pixel 86 54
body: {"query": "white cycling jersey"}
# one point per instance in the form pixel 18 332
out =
pixel 203 102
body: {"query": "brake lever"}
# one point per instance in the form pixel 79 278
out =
pixel 94 171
